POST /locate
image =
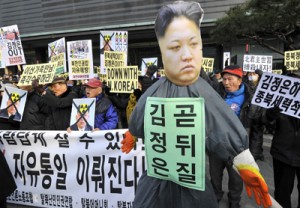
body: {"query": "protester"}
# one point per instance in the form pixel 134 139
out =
pixel 237 95
pixel 256 115
pixel 58 98
pixel 33 116
pixel 285 152
pixel 133 99
pixel 177 29
pixel 106 117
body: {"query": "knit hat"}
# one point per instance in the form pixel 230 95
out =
pixel 58 80
pixel 94 83
pixel 234 70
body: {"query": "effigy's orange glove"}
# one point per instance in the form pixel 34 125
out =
pixel 128 142
pixel 246 166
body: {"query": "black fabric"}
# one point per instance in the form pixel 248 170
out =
pixel 33 117
pixel 286 141
pixel 7 184
pixel 59 110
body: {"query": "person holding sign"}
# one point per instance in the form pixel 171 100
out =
pixel 177 28
pixel 106 117
pixel 285 153
pixel 58 99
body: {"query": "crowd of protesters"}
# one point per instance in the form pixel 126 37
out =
pixel 48 107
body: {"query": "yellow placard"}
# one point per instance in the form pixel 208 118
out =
pixel 114 59
pixel 122 79
pixel 292 60
pixel 208 64
pixel 43 72
pixel 80 66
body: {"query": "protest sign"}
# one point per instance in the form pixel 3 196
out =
pixel 278 90
pixel 114 59
pixel 57 53
pixel 208 64
pixel 122 79
pixel 12 50
pixel 13 103
pixel 175 140
pixel 112 41
pixel 78 169
pixel 43 72
pixel 226 59
pixel 83 114
pixel 80 59
pixel 1 47
pixel 146 62
pixel 292 60
pixel 253 62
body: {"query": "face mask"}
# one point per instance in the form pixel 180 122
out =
pixel 253 78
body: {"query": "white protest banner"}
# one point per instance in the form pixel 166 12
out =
pixel 292 60
pixel 208 64
pixel 253 62
pixel 278 90
pixel 122 79
pixel 80 59
pixel 57 53
pixel 13 103
pixel 43 72
pixel 79 170
pixel 112 41
pixel 12 51
pixel 146 62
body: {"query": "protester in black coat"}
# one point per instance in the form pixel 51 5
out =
pixel 59 100
pixel 33 116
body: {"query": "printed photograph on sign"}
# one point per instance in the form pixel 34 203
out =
pixel 13 103
pixel 254 62
pixel 80 59
pixel 57 53
pixel 226 59
pixel 83 114
pixel 112 41
pixel 292 60
pixel 12 51
pixel 146 62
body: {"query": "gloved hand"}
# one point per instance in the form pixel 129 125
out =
pixel 128 142
pixel 273 113
pixel 246 166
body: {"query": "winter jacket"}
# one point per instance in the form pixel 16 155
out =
pixel 286 141
pixel 106 116
pixel 59 109
pixel 33 117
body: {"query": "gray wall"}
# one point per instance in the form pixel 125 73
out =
pixel 48 17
